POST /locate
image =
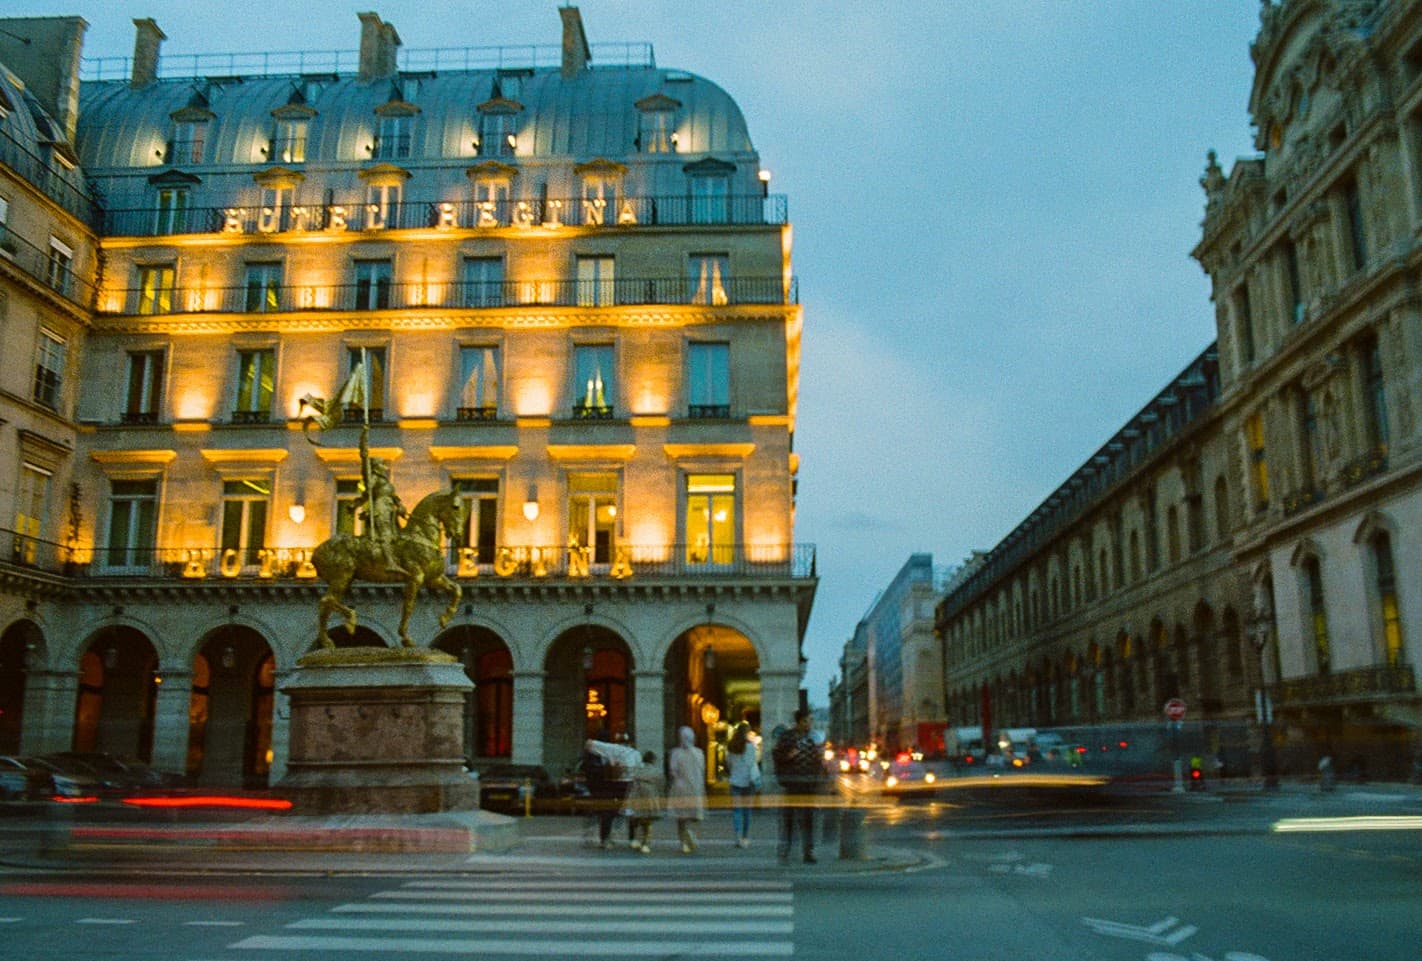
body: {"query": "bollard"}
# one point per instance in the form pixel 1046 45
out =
pixel 526 792
pixel 853 835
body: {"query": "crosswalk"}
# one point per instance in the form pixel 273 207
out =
pixel 549 917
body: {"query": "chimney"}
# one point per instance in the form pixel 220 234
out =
pixel 146 42
pixel 576 55
pixel 45 53
pixel 379 44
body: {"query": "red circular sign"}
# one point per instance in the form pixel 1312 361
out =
pixel 1175 709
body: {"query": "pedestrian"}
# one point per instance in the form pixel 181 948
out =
pixel 644 802
pixel 607 768
pixel 686 787
pixel 743 771
pixel 799 767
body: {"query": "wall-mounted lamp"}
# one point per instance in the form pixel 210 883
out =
pixel 110 658
pixel 530 504
pixel 587 659
pixel 512 141
pixel 229 658
pixel 297 512
pixel 709 658
pixel 765 183
pixel 475 142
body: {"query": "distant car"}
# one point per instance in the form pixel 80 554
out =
pixel 905 775
pixel 119 775
pixel 502 788
pixel 47 779
pixel 20 782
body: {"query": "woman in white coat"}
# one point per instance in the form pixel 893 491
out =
pixel 686 787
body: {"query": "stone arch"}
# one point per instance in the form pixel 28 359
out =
pixel 587 686
pixel 118 693
pixel 22 648
pixel 231 707
pixel 488 708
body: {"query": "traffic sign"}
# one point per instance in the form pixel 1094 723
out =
pixel 1175 709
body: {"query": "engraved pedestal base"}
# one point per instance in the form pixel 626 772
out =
pixel 378 731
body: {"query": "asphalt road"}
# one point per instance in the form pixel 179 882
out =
pixel 1137 880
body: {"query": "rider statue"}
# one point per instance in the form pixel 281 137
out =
pixel 383 508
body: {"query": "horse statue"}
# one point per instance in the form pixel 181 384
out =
pixel 414 555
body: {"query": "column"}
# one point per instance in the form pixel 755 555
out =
pixel 649 690
pixel 49 711
pixel 528 717
pixel 170 721
pixel 779 698
pixel 281 728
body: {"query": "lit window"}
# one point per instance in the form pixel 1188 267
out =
pixel 290 146
pixel 172 213
pixel 133 514
pixel 244 517
pixel 31 508
pixel 483 282
pixel 50 355
pixel 256 376
pixel 1386 583
pixel 710 518
pixel 491 201
pixel 1318 615
pixel 1258 464
pixel 707 279
pixel 350 503
pixel 656 131
pixel 145 387
pixel 479 383
pixel 263 288
pixel 592 515
pixel 373 382
pixel 595 282
pixel 157 289
pixel 599 199
pixel 708 379
pixel 382 205
pixel 276 202
pixel 594 381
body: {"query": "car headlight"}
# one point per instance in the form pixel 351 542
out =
pixel 891 781
pixel 929 778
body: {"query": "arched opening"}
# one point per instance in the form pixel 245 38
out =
pixel 20 648
pixel 713 683
pixel 488 710
pixel 230 709
pixel 118 690
pixel 586 690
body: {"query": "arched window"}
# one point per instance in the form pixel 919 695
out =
pixel 1317 614
pixel 1385 575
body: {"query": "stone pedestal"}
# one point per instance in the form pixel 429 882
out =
pixel 377 731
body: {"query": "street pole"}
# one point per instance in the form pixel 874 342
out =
pixel 1259 631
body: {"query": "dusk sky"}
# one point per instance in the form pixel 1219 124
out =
pixel 993 207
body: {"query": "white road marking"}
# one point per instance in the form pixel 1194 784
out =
pixel 214 924
pixel 1153 934
pixel 462 946
pixel 11 920
pixel 731 899
pixel 574 910
pixel 729 887
pixel 544 926
pixel 106 921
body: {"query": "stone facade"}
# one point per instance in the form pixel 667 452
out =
pixel 573 295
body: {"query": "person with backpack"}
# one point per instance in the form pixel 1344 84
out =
pixel 800 769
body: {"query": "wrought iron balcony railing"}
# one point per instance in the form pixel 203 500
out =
pixel 41 264
pixel 543 213
pixel 387 295
pixel 50 178
pixel 622 562
pixel 1361 684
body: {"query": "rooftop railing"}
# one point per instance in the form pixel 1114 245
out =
pixel 388 295
pixel 295 63
pixel 544 213
pixel 623 562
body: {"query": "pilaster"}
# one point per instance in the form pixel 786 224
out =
pixel 528 717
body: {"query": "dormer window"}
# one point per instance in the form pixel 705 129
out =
pixel 656 124
pixel 498 126
pixel 384 189
pixel 289 145
pixel 189 141
pixel 393 140
pixel 492 183
pixel 709 183
pixel 601 183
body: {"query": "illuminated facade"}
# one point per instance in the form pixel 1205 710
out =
pixel 573 292
pixel 1251 536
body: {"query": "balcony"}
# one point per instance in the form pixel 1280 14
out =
pixel 51 179
pixel 58 276
pixel 544 214
pixel 379 295
pixel 292 565
pixel 1348 687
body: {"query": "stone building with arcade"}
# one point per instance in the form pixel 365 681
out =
pixel 572 291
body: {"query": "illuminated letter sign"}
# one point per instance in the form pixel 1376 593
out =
pixel 468 562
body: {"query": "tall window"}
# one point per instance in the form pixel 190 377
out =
pixel 189 142
pixel 133 516
pixel 157 288
pixel 1295 282
pixel 707 278
pixel 710 199
pixel 1172 534
pixel 1357 235
pixel 256 376
pixel 145 387
pixel 1391 621
pixel 374 381
pixel 595 282
pixel 594 381
pixel 393 140
pixel 1258 463
pixel 263 288
pixel 1244 324
pixel 708 379
pixel 491 198
pixel 244 517
pixel 1374 395
pixel 656 131
pixel 382 205
pixel 276 202
pixel 599 199
pixel 31 508
pixel 481 515
pixel 1318 614
pixel 372 284
pixel 498 136
pixel 1310 443
pixel 483 282
pixel 493 687
pixel 290 145
pixel 1222 521
pixel 49 369
pixel 350 498
pixel 479 383
pixel 710 518
pixel 592 515
pixel 172 214
pixel 60 270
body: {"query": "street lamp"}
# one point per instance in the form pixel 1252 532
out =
pixel 1260 629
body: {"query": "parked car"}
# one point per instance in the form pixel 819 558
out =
pixel 19 781
pixel 502 786
pixel 116 775
pixel 46 779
